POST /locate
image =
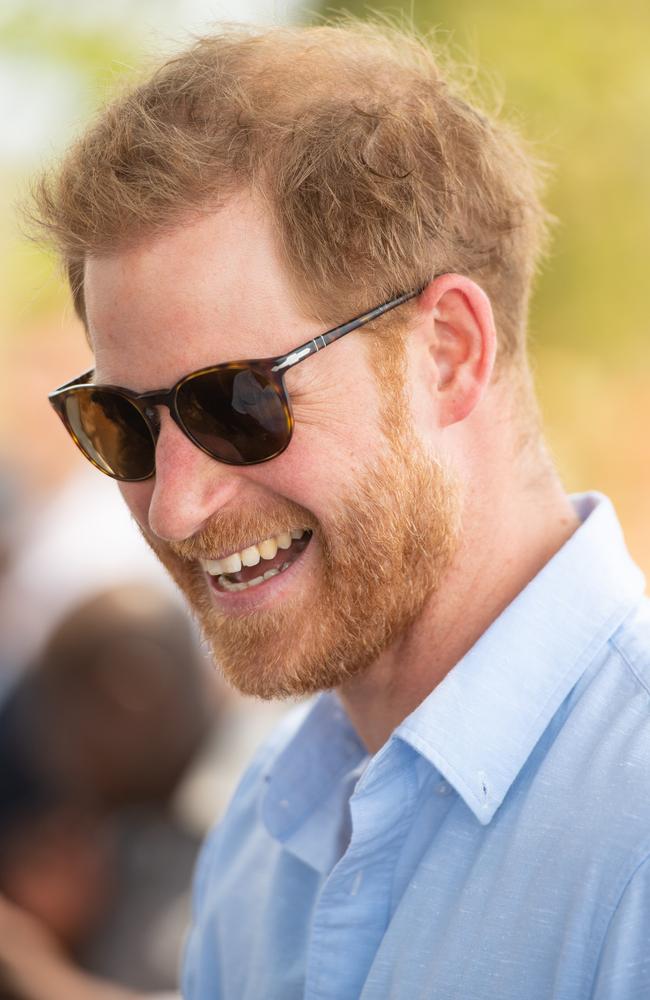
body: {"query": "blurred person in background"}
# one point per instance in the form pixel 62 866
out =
pixel 94 743
pixel 59 530
pixel 462 809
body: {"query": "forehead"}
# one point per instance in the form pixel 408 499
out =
pixel 210 290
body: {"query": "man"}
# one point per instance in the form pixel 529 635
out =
pixel 463 813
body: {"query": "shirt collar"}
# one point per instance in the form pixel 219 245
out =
pixel 305 775
pixel 481 723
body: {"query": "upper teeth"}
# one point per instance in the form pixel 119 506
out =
pixel 252 555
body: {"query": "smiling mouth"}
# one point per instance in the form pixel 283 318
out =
pixel 258 563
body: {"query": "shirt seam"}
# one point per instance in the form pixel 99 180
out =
pixel 628 663
pixel 645 858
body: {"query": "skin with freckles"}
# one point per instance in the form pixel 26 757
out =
pixel 425 521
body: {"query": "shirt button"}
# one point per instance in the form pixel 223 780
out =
pixel 443 788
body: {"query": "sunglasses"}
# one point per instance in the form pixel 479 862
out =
pixel 238 412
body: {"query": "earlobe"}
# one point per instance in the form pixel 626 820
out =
pixel 462 344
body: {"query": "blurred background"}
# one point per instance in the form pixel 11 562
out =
pixel 574 75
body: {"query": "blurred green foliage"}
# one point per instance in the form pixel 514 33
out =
pixel 93 49
pixel 575 78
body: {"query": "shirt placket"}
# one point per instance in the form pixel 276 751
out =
pixel 353 908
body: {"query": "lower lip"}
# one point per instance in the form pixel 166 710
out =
pixel 263 594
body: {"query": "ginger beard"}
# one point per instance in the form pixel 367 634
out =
pixel 381 557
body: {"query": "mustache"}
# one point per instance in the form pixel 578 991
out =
pixel 233 530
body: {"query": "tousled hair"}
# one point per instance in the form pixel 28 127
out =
pixel 377 172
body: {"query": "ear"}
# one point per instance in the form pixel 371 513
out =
pixel 461 342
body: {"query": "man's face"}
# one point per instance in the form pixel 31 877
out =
pixel 377 515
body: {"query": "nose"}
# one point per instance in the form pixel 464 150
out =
pixel 188 486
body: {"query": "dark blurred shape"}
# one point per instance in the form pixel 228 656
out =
pixel 94 741
pixel 13 506
pixel 10 506
pixel 122 677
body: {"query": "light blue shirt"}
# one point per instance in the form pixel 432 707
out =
pixel 495 848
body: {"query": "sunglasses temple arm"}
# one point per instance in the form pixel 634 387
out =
pixel 318 343
pixel 82 379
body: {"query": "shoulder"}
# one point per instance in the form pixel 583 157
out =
pixel 604 748
pixel 623 697
pixel 624 964
pixel 621 694
pixel 617 695
pixel 591 768
pixel 632 643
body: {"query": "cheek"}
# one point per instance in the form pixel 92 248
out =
pixel 322 463
pixel 137 497
pixel 337 431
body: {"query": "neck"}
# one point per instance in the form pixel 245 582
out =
pixel 506 541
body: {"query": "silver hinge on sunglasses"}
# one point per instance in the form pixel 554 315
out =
pixel 291 359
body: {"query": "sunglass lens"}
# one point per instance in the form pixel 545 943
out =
pixel 235 414
pixel 112 432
